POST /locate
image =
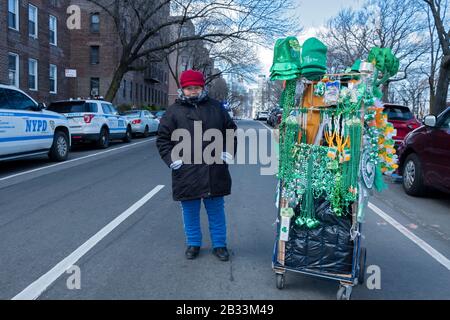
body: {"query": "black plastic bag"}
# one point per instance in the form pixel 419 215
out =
pixel 327 248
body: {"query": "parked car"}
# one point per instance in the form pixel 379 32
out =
pixel 93 121
pixel 27 129
pixel 262 115
pixel 403 120
pixel 275 117
pixel 424 156
pixel 142 122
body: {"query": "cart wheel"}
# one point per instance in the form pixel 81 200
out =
pixel 362 266
pixel 344 292
pixel 280 281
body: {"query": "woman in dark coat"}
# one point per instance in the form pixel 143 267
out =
pixel 192 180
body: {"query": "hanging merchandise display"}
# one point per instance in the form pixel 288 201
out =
pixel 332 92
pixel 335 146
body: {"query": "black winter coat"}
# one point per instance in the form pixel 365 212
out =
pixel 196 181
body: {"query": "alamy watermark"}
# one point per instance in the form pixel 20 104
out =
pixel 74 280
pixel 253 147
pixel 74 20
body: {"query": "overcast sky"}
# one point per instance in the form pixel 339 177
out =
pixel 313 15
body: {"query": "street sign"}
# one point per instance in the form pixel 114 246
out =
pixel 71 73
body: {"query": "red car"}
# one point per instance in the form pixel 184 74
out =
pixel 424 156
pixel 402 119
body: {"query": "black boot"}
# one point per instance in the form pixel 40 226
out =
pixel 221 253
pixel 192 252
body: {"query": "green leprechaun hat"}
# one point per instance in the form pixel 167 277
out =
pixel 314 59
pixel 286 60
pixel 352 70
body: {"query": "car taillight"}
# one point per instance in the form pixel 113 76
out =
pixel 88 118
pixel 413 126
pixel 137 121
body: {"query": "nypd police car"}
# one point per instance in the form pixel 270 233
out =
pixel 26 129
pixel 93 121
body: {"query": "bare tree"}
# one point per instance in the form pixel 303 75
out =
pixel 219 89
pixel 441 23
pixel 412 92
pixel 391 24
pixel 430 67
pixel 139 22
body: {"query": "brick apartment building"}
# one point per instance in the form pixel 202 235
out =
pixel 36 48
pixel 95 54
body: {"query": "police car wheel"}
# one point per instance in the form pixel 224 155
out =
pixel 103 141
pixel 60 147
pixel 128 135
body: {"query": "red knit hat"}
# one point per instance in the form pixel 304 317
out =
pixel 192 78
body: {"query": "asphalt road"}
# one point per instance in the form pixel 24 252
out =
pixel 49 211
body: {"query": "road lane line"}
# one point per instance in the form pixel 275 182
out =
pixel 73 160
pixel 265 125
pixel 411 236
pixel 34 290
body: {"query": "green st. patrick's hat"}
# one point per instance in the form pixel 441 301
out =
pixel 286 60
pixel 314 54
pixel 314 58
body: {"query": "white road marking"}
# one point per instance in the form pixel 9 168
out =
pixel 34 290
pixel 411 236
pixel 73 160
pixel 439 257
pixel 265 125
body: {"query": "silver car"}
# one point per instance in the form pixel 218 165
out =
pixel 142 122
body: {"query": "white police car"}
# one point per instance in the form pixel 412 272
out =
pixel 26 129
pixel 93 121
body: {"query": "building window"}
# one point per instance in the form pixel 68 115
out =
pixel 124 92
pixel 137 91
pixel 53 30
pixel 142 93
pixel 32 74
pixel 13 14
pixel 131 90
pixel 95 87
pixel 13 69
pixel 185 31
pixel 32 21
pixel 95 22
pixel 145 93
pixel 184 63
pixel 53 79
pixel 95 54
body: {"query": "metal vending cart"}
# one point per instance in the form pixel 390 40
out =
pixel 335 145
pixel 355 274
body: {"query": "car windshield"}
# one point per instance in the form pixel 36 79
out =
pixel 398 113
pixel 72 107
pixel 132 114
pixel 160 113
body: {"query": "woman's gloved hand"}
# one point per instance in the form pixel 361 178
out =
pixel 227 157
pixel 176 165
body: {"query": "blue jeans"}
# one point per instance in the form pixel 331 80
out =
pixel 216 218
